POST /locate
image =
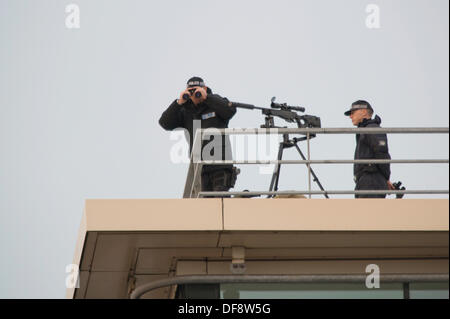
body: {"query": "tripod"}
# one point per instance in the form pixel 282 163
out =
pixel 288 143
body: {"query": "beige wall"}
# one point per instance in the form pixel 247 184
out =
pixel 125 243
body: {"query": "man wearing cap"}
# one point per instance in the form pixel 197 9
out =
pixel 369 146
pixel 197 102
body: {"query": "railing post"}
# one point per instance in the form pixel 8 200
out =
pixel 309 164
pixel 197 162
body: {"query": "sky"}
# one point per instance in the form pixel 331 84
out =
pixel 79 107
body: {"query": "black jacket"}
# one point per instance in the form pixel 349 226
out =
pixel 371 146
pixel 214 112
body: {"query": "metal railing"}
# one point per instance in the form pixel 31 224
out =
pixel 193 181
pixel 291 279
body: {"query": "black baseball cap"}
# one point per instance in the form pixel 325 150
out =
pixel 195 81
pixel 358 105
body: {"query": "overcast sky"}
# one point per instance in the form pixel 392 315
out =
pixel 80 107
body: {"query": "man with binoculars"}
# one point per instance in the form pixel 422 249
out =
pixel 197 102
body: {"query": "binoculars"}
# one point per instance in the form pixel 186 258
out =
pixel 187 96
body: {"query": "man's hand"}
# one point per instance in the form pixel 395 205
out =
pixel 181 100
pixel 203 96
pixel 391 187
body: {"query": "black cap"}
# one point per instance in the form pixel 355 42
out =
pixel 195 81
pixel 358 105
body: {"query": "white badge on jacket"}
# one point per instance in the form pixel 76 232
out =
pixel 208 115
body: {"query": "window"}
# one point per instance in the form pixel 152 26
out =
pixel 310 291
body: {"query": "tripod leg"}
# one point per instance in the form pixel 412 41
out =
pixel 316 179
pixel 276 171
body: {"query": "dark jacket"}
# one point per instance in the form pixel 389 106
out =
pixel 371 146
pixel 214 112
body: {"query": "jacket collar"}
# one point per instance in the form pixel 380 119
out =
pixel 365 122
